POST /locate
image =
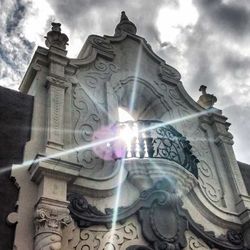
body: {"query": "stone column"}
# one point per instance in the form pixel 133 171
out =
pixel 51 211
pixel 50 219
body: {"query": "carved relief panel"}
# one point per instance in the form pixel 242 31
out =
pixel 188 123
pixel 90 107
pixel 99 237
pixel 194 243
pixel 156 220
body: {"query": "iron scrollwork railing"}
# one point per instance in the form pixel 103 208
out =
pixel 154 139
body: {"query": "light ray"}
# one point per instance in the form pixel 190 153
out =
pixel 177 120
pixel 117 202
pixel 105 141
pixel 135 83
pixel 63 153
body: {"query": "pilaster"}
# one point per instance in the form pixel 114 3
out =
pixel 224 141
pixel 57 85
pixel 56 99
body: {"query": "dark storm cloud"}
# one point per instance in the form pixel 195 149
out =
pixel 238 65
pixel 230 18
pixel 200 64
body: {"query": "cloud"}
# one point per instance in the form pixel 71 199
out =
pixel 100 17
pixel 215 54
pixel 238 65
pixel 16 44
pixel 229 18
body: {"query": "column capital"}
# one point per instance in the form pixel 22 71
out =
pixel 57 82
pixel 49 222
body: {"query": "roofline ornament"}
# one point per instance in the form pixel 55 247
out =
pixel 55 38
pixel 125 25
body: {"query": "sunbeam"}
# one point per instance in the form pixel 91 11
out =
pixel 134 87
pixel 104 141
pixel 117 202
pixel 60 154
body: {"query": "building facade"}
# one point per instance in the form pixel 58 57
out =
pixel 167 180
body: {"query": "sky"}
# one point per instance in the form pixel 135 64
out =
pixel 208 41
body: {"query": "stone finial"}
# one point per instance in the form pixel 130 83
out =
pixel 206 100
pixel 125 25
pixel 56 38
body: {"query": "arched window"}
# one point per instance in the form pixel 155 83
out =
pixel 124 115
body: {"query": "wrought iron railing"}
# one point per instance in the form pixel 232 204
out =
pixel 154 139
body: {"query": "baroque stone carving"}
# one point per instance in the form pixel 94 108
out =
pixel 89 102
pixel 102 238
pixel 57 81
pixel 195 243
pixel 169 74
pixel 232 240
pixel 56 38
pixel 155 92
pixel 158 211
pixel 163 221
pixel 234 237
pixel 49 222
pixel 100 43
pixel 138 247
pixel 207 176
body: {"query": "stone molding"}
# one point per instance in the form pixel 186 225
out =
pixel 224 141
pixel 143 174
pixel 59 169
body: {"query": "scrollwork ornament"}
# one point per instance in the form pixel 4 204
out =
pixel 169 74
pixel 49 223
pixel 234 237
pixel 195 243
pixel 101 43
pixel 89 102
pixel 207 182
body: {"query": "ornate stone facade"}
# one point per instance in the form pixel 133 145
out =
pixel 175 185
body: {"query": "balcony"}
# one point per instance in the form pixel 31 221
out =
pixel 153 139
